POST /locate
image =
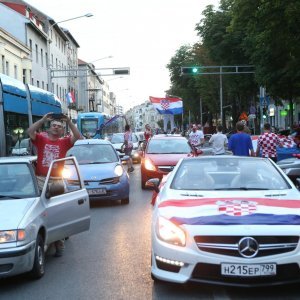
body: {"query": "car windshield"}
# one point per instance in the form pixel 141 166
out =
pixel 16 181
pixel 93 154
pixel 228 173
pixel 22 144
pixel 119 138
pixel 168 146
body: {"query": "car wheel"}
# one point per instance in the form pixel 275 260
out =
pixel 143 185
pixel 125 201
pixel 38 269
pixel 154 278
pixel 143 182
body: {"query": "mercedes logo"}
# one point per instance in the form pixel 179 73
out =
pixel 248 247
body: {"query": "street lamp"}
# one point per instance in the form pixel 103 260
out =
pixel 110 56
pixel 49 42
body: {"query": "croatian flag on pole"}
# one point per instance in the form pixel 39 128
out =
pixel 70 98
pixel 168 105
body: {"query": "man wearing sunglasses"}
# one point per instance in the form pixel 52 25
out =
pixel 52 145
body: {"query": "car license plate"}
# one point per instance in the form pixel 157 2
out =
pixel 97 191
pixel 248 270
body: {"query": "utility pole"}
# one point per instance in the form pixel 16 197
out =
pixel 218 70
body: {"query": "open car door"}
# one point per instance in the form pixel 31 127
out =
pixel 66 200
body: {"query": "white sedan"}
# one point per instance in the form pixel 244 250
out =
pixel 30 219
pixel 226 220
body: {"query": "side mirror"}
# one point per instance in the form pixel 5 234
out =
pixel 153 184
pixel 55 189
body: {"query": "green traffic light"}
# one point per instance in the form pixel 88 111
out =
pixel 195 70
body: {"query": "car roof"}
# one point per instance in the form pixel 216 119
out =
pixel 92 142
pixel 20 159
pixel 168 136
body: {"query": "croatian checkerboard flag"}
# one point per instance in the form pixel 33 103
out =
pixel 70 98
pixel 168 105
pixel 232 211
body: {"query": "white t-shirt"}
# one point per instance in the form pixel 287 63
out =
pixel 218 140
pixel 195 137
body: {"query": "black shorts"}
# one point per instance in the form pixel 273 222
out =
pixel 127 151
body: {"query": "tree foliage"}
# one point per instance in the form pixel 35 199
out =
pixel 262 33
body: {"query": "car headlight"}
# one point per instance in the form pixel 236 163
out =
pixel 169 232
pixel 119 170
pixel 8 236
pixel 135 154
pixel 149 165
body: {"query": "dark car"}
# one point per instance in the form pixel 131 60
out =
pixel 117 140
pixel 162 154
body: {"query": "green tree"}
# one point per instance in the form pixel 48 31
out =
pixel 271 32
pixel 224 48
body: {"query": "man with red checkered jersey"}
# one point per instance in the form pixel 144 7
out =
pixel 267 143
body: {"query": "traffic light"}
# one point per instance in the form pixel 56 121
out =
pixel 265 112
pixel 190 70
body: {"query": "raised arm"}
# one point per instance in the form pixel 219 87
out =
pixel 75 132
pixel 37 125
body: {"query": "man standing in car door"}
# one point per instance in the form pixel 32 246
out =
pixel 50 146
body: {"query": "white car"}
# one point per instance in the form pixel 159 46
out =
pixel 22 147
pixel 226 220
pixel 30 220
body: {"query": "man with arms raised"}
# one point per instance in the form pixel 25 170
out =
pixel 50 146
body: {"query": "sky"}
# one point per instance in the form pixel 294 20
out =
pixel 140 34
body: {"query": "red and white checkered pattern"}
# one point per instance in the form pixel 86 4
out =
pixel 286 141
pixel 165 103
pixel 237 207
pixel 268 143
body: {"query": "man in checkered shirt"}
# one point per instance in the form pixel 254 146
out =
pixel 267 142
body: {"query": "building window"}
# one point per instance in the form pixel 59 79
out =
pixel 16 71
pixel 30 46
pixel 42 59
pixel 7 68
pixel 37 83
pixel 36 53
pixel 24 76
pixel 43 85
pixel 46 57
pixel 3 64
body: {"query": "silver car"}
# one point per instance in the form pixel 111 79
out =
pixel 30 220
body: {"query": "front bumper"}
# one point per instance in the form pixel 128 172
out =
pixel 203 267
pixel 114 191
pixel 16 260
